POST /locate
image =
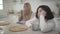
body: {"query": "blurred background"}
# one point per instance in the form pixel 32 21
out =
pixel 17 5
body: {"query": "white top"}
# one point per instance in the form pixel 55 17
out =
pixel 23 20
pixel 44 26
pixel 32 15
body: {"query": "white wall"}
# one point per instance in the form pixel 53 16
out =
pixel 36 3
pixel 9 4
pixel 51 4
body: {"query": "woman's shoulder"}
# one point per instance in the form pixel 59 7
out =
pixel 51 21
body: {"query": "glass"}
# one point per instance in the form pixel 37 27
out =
pixel 1 30
pixel 35 26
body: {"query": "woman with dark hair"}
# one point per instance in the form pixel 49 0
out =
pixel 45 18
pixel 46 9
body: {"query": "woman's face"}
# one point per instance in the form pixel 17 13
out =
pixel 26 9
pixel 41 12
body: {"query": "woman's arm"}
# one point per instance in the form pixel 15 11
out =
pixel 21 16
pixel 44 26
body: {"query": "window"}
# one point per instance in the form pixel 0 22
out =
pixel 1 4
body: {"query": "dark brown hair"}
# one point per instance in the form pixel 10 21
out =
pixel 49 14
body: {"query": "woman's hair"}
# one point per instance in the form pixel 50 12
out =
pixel 49 14
pixel 28 4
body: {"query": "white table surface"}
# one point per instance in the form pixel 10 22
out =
pixel 29 31
pixel 13 19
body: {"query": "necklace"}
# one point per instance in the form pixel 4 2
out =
pixel 28 16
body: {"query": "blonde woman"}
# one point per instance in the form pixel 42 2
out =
pixel 26 13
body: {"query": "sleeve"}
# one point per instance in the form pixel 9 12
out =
pixel 29 22
pixel 44 26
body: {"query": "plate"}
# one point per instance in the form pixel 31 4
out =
pixel 18 28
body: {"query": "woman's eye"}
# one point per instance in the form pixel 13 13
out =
pixel 40 11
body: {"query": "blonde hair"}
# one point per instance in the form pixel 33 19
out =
pixel 28 4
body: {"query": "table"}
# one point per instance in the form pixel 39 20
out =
pixel 2 26
pixel 13 23
pixel 29 31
